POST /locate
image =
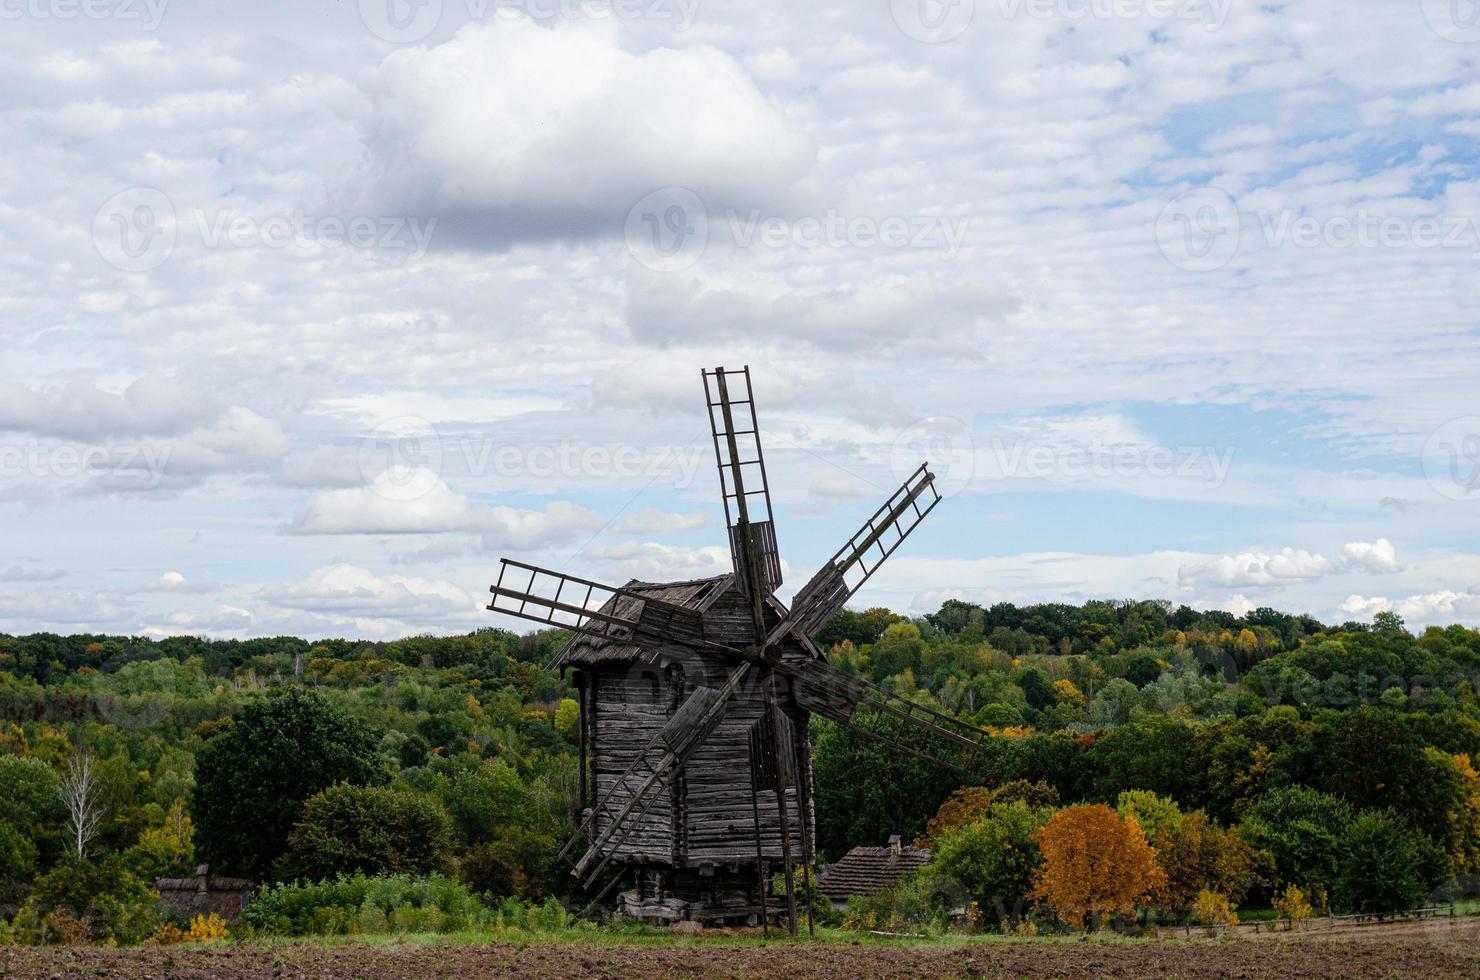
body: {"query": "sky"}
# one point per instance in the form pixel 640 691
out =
pixel 312 312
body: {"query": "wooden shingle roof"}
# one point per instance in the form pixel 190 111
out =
pixel 868 870
pixel 696 594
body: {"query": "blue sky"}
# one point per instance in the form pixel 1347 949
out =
pixel 313 312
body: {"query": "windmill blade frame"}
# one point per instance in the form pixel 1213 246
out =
pixel 618 614
pixel 744 487
pixel 835 582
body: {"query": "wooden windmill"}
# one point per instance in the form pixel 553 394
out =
pixel 695 696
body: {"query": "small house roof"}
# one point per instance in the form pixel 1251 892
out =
pixel 867 870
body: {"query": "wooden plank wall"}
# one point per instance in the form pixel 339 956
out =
pixel 631 704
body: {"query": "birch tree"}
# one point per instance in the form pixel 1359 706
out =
pixel 82 796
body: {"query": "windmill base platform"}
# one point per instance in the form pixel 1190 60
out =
pixel 718 896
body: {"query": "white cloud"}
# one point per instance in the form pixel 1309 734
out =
pixel 150 405
pixel 351 590
pixel 1438 608
pixel 512 130
pixel 1377 557
pixel 1255 569
pixel 412 501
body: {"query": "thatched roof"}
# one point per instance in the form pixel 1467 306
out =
pixel 213 884
pixel 867 870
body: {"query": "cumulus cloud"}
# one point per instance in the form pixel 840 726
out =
pixel 516 131
pixel 1377 557
pixel 1439 607
pixel 151 405
pixel 404 500
pixel 171 582
pixel 34 610
pixel 353 590
pixel 1250 569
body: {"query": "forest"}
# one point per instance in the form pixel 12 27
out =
pixel 1145 761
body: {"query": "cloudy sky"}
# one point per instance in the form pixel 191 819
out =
pixel 314 310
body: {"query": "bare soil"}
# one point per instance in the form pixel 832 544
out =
pixel 1428 950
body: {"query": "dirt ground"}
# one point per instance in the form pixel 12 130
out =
pixel 1428 950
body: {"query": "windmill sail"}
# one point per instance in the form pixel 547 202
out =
pixel 583 606
pixel 730 402
pixel 844 574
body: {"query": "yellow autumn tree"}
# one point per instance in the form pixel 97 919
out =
pixel 1096 864
pixel 1066 693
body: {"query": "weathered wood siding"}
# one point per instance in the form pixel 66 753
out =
pixel 630 704
pixel 718 824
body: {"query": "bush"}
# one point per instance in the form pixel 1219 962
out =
pixel 366 830
pixel 359 903
pixel 79 899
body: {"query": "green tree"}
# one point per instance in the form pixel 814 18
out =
pixel 1387 866
pixel 1157 815
pixel 991 861
pixel 254 776
pixel 1304 831
pixel 367 829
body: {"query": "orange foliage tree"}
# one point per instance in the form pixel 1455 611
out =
pixel 1096 864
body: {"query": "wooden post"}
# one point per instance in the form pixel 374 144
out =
pixel 760 861
pixel 776 726
pixel 804 795
pixel 581 737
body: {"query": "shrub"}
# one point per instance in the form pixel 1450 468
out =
pixel 1211 909
pixel 359 903
pixel 80 899
pixel 1293 906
